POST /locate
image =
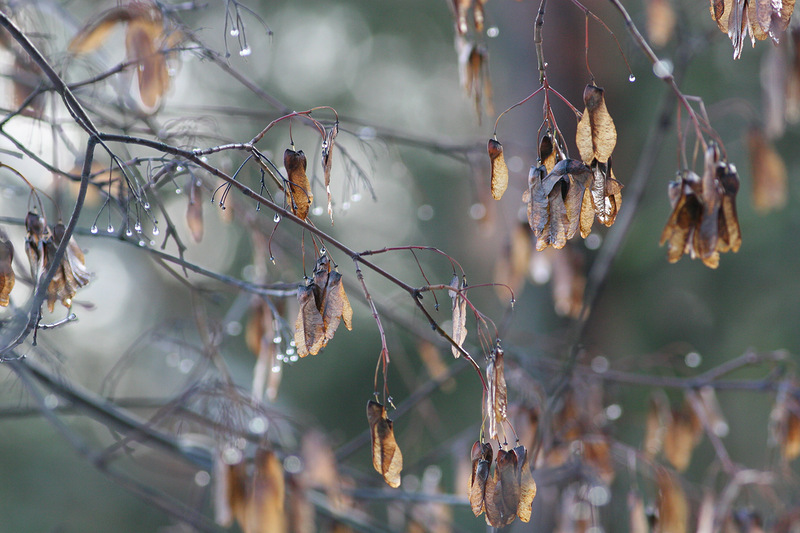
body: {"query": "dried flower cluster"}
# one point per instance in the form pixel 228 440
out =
pixel 40 246
pixel 323 305
pixel 505 493
pixel 703 222
pixel 757 18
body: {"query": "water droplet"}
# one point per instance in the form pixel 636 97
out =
pixel 346 206
pixel 276 368
pixel 631 78
pixel 93 229
pixel 513 301
pixel 317 211
pixel 663 68
pixel 492 32
pixel 155 230
pixel 178 190
pixel 323 251
pixel 436 307
pixel 138 227
pixel 202 478
pixel 289 351
pixel 152 243
pixel 294 359
pixel 146 206
pixel 258 425
pixel 110 228
pixel 244 52
pixel 179 168
pixel 291 343
pixel 141 243
pixel 272 260
pixel 128 232
pixel 277 339
pixel 276 218
pixel 234 32
pixel 356 197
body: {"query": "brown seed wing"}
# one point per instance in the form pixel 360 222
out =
pixel 194 211
pixel 499 169
pixel 7 277
pixel 386 456
pixel 299 186
pixel 336 307
pixel 309 330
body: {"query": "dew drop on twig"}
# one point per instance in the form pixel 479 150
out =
pixel 110 228
pixel 244 52
pixel 631 78
pixel 155 230
pixel 93 229
pixel 234 32
pixel 276 218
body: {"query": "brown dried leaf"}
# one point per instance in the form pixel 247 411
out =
pixel 596 135
pixel 658 417
pixel 509 483
pixel 194 211
pixel 481 464
pixel 527 486
pixel 673 509
pixel 683 434
pixel 35 226
pixel 568 282
pixel 660 21
pixel 548 155
pixel 459 317
pixel 386 456
pixel 473 68
pixel 499 169
pixel 71 274
pixel 299 186
pixel 97 31
pixel 705 242
pixel 7 277
pixel 264 511
pixel 784 425
pixel 497 396
pixel 336 306
pixel 638 516
pixel 143 40
pixel 309 329
pixel 767 171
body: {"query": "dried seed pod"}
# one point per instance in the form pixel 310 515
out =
pixel 336 306
pixel 194 211
pixel 459 316
pixel 596 134
pixel 299 186
pixel 497 396
pixel 527 486
pixel 683 434
pixel 309 329
pixel 499 169
pixel 386 456
pixel 7 277
pixel 673 509
pixel 481 465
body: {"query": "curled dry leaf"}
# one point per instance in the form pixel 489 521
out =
pixel 34 249
pixel 658 417
pixel 264 510
pixel 499 169
pixel 7 277
pixel 673 509
pixel 336 306
pixel 596 135
pixel 481 466
pixel 768 172
pixel 194 211
pixel 527 486
pixel 548 154
pixel 497 396
pixel 299 186
pixel 459 315
pixel 386 456
pixel 510 491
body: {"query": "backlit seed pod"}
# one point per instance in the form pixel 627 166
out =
pixel 299 192
pixel 499 169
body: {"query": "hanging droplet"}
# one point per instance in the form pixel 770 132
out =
pixel 179 168
pixel 141 243
pixel 317 211
pixel 272 260
pixel 436 307
pixel 277 339
pixel 345 206
pixel 146 206
pixel 155 230
pixel 128 232
pixel 110 229
pixel 631 78
pixel 152 243
pixel 93 229
pixel 323 251
pixel 356 197
pixel 244 52
pixel 276 218
pixel 513 301
pixel 276 368
pixel 294 358
pixel 492 32
pixel 178 190
pixel 138 227
pixel 234 32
